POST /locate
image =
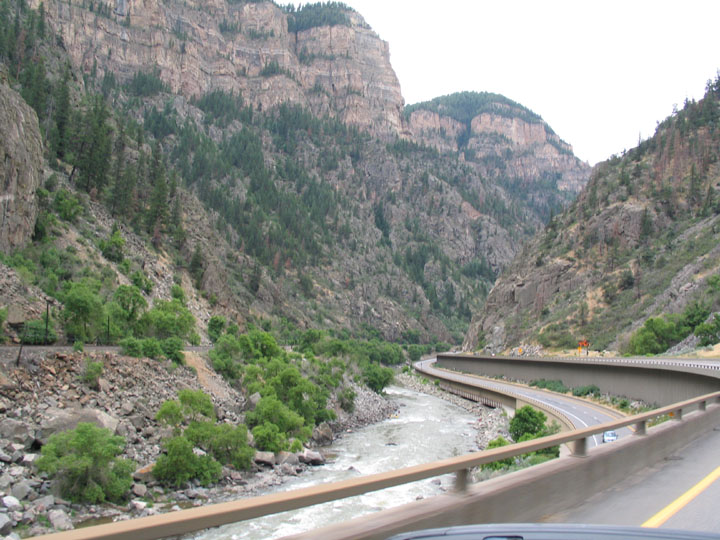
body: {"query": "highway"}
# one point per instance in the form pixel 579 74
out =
pixel 580 412
pixel 645 498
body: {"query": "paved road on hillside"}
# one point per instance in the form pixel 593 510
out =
pixel 581 413
pixel 642 495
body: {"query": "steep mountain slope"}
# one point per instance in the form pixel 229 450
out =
pixel 262 152
pixel 641 240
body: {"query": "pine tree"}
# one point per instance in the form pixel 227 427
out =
pixel 157 213
pixel 119 190
pixel 94 153
pixel 61 117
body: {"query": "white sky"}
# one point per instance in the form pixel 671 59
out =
pixel 600 73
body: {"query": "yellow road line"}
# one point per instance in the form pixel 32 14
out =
pixel 678 504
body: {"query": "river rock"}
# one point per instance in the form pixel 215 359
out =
pixel 44 503
pixel 140 490
pixel 11 503
pixel 16 431
pixel 144 474
pixel 5 524
pixel 282 458
pixel 5 481
pixel 265 458
pixel 60 520
pixel 288 470
pixel 21 490
pixel 322 434
pixel 310 457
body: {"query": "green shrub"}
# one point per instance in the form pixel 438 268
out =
pixel 227 444
pixel 271 410
pixel 269 437
pixel 170 413
pixel 527 421
pixel 586 390
pixel 216 325
pixel 92 373
pixel 131 346
pixel 377 377
pixel 346 397
pixel 498 442
pixel 33 333
pixel 112 248
pixel 172 348
pixel 556 335
pixel 67 205
pixel 553 385
pixel 709 332
pixel 141 281
pixel 180 465
pixel 178 294
pixel 78 346
pixel 196 404
pixel 151 348
pixel 85 465
pixel 167 319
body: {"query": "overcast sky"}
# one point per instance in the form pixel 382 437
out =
pixel 600 73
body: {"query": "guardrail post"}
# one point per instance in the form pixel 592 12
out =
pixel 678 415
pixel 702 406
pixel 461 480
pixel 580 448
pixel 641 428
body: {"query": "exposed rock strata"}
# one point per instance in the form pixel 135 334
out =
pixel 20 169
pixel 342 71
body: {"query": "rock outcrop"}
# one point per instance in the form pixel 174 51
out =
pixel 501 138
pixel 20 169
pixel 341 70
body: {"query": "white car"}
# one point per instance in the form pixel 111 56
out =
pixel 610 436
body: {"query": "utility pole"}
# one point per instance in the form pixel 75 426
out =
pixel 47 319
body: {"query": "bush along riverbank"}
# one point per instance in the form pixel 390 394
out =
pixel 159 436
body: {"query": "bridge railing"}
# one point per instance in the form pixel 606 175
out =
pixel 195 519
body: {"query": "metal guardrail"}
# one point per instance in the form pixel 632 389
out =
pixel 195 519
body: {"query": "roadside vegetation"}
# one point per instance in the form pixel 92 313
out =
pixel 527 424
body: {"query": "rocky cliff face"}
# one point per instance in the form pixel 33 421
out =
pixel 498 137
pixel 642 239
pixel 342 70
pixel 20 169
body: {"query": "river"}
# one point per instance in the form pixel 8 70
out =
pixel 425 429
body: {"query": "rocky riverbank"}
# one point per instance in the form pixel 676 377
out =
pixel 491 422
pixel 45 394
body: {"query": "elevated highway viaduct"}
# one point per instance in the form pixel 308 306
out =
pixel 658 381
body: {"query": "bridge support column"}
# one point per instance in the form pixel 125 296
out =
pixel 461 480
pixel 579 448
pixel 641 428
